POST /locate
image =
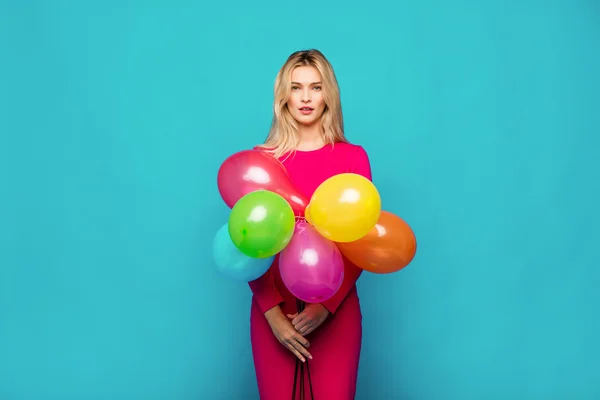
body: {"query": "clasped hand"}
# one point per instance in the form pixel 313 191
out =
pixel 309 319
pixel 290 331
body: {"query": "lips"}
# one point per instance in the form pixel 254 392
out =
pixel 306 110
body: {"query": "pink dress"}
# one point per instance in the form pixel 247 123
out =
pixel 336 344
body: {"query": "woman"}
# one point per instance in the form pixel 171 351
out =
pixel 307 135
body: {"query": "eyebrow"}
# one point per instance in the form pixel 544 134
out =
pixel 298 83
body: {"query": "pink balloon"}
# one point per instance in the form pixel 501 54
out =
pixel 311 266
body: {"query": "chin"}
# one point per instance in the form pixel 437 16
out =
pixel 305 122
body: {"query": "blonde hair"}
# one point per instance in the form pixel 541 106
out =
pixel 283 134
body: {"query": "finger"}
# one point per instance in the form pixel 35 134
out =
pixel 299 318
pixel 308 330
pixel 298 349
pixel 296 352
pixel 302 325
pixel 292 316
pixel 302 350
pixel 305 329
pixel 302 340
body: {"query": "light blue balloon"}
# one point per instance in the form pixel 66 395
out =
pixel 233 263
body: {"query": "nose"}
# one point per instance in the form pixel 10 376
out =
pixel 306 96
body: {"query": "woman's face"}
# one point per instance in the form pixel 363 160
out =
pixel 306 103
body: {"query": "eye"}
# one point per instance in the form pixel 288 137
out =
pixel 317 88
pixel 295 88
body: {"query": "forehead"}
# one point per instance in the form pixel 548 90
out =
pixel 306 74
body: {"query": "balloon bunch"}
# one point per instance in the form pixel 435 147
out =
pixel 270 217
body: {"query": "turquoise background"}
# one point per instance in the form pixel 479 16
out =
pixel 481 120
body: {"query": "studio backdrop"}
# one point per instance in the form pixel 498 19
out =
pixel 481 122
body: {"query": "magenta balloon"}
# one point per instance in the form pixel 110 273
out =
pixel 311 266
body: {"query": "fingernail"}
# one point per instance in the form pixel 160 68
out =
pixel 303 360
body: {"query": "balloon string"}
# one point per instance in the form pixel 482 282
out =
pixel 312 395
pixel 295 378
pixel 300 307
pixel 302 381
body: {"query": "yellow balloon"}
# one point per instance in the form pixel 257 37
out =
pixel 344 208
pixel 307 214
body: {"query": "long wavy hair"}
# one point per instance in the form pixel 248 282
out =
pixel 283 135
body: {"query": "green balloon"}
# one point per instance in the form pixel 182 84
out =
pixel 261 224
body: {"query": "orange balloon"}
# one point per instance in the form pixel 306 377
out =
pixel 388 247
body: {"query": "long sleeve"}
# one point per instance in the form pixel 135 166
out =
pixel 265 292
pixel 359 165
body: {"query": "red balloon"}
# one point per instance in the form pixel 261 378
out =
pixel 251 170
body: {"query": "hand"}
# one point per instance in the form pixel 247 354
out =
pixel 309 319
pixel 286 334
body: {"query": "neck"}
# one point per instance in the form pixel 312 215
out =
pixel 311 137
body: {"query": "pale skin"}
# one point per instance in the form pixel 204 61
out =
pixel 306 104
